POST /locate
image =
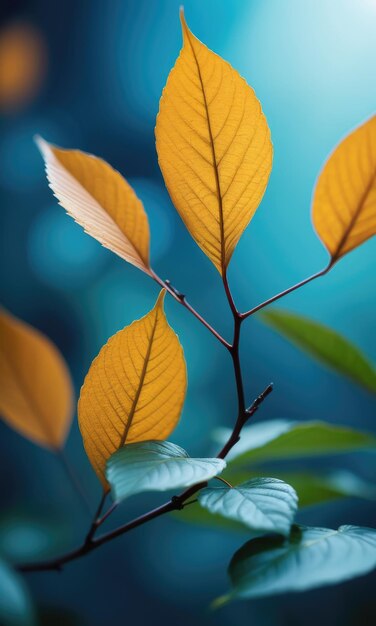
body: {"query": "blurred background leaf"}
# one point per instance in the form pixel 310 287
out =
pixel 36 388
pixel 283 439
pixel 16 608
pixel 26 537
pixel 324 344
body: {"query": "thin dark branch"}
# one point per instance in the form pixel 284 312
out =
pixel 286 292
pixel 241 421
pixel 60 454
pixel 107 514
pixel 259 400
pixel 190 502
pixel 180 297
pixel 230 298
pixel 235 355
pixel 175 504
pixel 237 366
pixel 94 524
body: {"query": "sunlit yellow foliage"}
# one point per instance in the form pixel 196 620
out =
pixel 135 388
pixel 36 396
pixel 344 204
pixel 99 199
pixel 214 148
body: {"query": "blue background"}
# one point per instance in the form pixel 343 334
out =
pixel 312 64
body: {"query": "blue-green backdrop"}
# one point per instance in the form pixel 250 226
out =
pixel 312 64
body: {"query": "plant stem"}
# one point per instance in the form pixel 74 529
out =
pixel 109 512
pixel 73 479
pixel 286 291
pixel 230 299
pixel 176 503
pixel 223 480
pixel 94 524
pixel 180 297
pixel 234 350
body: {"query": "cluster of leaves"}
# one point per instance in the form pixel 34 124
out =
pixel 215 153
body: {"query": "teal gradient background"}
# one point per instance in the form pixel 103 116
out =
pixel 312 64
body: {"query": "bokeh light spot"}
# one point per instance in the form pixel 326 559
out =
pixel 60 253
pixel 23 62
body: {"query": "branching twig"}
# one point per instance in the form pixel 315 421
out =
pixel 94 524
pixel 286 291
pixel 180 297
pixel 175 504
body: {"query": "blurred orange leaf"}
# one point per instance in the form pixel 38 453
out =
pixel 23 61
pixel 36 391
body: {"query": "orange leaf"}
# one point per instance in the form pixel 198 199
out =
pixel 100 200
pixel 344 203
pixel 36 389
pixel 214 148
pixel 135 388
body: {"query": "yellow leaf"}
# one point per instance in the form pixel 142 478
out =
pixel 135 388
pixel 214 148
pixel 344 203
pixel 36 391
pixel 100 200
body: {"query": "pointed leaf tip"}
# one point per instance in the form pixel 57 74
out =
pixel 183 22
pixel 160 300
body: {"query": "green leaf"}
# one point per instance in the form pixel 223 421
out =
pixel 156 466
pixel 284 439
pixel 315 488
pixel 15 603
pixel 262 504
pixel 310 557
pixel 325 344
pixel 311 489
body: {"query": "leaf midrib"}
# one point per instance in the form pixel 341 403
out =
pixel 141 383
pixel 354 219
pixel 215 166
